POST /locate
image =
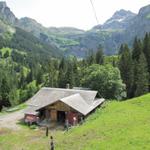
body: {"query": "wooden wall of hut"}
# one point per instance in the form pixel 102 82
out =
pixel 59 106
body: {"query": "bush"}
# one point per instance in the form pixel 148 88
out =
pixel 106 80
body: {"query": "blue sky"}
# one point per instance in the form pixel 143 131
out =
pixel 75 13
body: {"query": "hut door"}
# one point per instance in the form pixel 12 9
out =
pixel 47 114
pixel 53 115
pixel 61 116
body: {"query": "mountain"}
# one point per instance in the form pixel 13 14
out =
pixel 54 36
pixel 24 60
pixel 107 35
pixel 14 36
pixel 65 30
pixel 6 14
pixel 70 41
pixel 122 27
pixel 30 25
pixel 119 20
pixel 140 24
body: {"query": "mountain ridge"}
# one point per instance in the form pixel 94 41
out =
pixel 13 36
pixel 6 14
pixel 122 27
pixel 119 20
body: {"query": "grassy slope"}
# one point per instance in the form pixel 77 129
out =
pixel 118 126
pixel 115 126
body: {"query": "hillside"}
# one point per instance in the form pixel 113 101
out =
pixel 117 125
pixel 58 37
pixel 21 58
pixel 14 36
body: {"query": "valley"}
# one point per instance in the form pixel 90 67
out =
pixel 76 42
pixel 88 88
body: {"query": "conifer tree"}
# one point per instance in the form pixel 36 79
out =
pixel 70 78
pixel 141 76
pixel 146 50
pixel 126 69
pixel 99 56
pixel 39 76
pixel 29 78
pixel 22 79
pixel 121 49
pixel 5 89
pixel 0 54
pixel 6 54
pixel 137 49
pixel 52 75
pixel 75 71
pixel 62 64
pixel 62 72
pixel 91 58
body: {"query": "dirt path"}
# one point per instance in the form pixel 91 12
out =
pixel 10 120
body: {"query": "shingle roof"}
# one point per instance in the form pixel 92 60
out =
pixel 78 103
pixel 31 110
pixel 81 100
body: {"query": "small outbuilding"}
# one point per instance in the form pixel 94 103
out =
pixel 61 105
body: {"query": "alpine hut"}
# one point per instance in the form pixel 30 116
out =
pixel 59 105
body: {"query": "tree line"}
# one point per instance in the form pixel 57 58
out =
pixel 24 74
pixel 123 76
pixel 134 65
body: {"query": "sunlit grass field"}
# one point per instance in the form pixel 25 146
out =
pixel 115 126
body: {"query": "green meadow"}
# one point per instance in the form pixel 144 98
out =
pixel 115 126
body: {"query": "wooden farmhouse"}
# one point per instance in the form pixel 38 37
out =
pixel 61 105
